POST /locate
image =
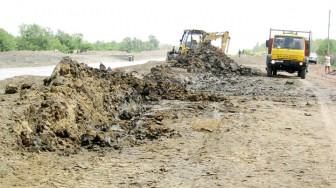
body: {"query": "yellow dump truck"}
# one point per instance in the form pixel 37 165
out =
pixel 288 50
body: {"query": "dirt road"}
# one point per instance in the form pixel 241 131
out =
pixel 268 132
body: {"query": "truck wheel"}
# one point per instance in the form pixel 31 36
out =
pixel 269 71
pixel 299 73
pixel 275 72
pixel 303 73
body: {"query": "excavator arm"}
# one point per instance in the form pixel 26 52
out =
pixel 224 36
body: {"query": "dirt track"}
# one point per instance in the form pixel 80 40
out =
pixel 268 132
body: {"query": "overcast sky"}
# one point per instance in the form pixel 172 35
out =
pixel 247 21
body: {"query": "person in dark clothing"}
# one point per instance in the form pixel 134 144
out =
pixel 173 51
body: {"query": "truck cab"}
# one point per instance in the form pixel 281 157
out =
pixel 288 51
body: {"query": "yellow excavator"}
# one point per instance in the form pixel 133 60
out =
pixel 192 37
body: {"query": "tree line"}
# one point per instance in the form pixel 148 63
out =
pixel 36 38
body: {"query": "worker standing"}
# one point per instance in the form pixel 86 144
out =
pixel 327 63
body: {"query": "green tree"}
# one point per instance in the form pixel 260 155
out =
pixel 55 44
pixel 99 45
pixel 7 41
pixel 314 44
pixel 112 46
pixel 148 46
pixel 34 37
pixel 323 47
pixel 137 45
pixel 71 42
pixel 74 42
pixel 106 46
pixel 126 45
pixel 258 49
pixel 152 40
pixel 85 46
pixel 77 39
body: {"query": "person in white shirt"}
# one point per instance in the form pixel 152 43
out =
pixel 327 63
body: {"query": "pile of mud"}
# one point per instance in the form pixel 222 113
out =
pixel 208 58
pixel 80 106
pixel 164 84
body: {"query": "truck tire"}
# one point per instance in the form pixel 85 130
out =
pixel 275 72
pixel 303 73
pixel 269 71
pixel 299 73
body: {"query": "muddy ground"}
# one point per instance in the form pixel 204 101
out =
pixel 236 129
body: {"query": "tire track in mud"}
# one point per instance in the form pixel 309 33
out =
pixel 208 155
pixel 326 108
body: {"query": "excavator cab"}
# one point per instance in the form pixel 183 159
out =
pixel 189 39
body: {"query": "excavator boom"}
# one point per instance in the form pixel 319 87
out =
pixel 224 36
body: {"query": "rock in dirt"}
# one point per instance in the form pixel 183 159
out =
pixel 102 66
pixel 11 89
pixel 26 86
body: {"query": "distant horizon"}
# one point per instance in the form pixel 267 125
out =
pixel 55 31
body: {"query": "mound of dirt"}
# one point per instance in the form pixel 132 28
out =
pixel 208 58
pixel 80 106
pixel 83 106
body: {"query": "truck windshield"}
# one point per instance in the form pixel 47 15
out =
pixel 287 42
